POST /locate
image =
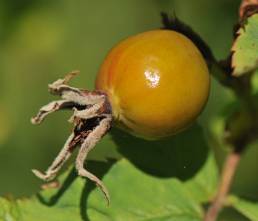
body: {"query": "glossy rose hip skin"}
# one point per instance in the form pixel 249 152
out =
pixel 157 83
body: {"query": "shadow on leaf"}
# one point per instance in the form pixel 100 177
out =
pixel 65 185
pixel 179 156
pixel 97 168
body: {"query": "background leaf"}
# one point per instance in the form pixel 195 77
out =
pixel 245 48
pixel 135 196
pixel 247 208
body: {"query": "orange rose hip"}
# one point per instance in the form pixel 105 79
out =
pixel 157 83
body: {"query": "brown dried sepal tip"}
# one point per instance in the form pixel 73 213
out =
pixel 52 185
pixel 247 9
pixel 91 118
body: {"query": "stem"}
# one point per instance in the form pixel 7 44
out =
pixel 227 176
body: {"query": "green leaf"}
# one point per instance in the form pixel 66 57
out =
pixel 245 48
pixel 157 181
pixel 247 208
pixel 204 185
pixel 8 210
pixel 138 196
pixel 135 195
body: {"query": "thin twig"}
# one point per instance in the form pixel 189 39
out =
pixel 227 176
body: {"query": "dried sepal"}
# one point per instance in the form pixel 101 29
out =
pixel 91 119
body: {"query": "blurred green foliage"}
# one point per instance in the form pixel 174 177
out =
pixel 40 41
